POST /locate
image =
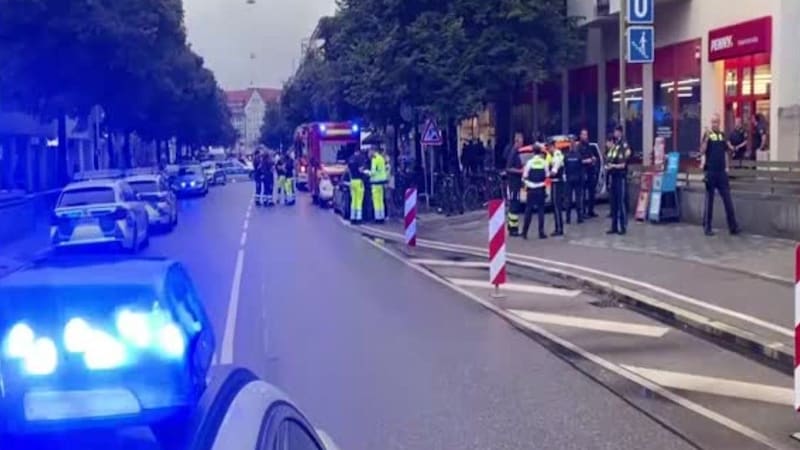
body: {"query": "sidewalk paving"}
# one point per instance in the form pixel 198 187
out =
pixel 15 253
pixel 736 288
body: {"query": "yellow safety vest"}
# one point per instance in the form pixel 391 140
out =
pixel 378 173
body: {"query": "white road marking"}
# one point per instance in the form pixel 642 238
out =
pixel 246 224
pixel 548 266
pixel 226 357
pixel 607 326
pixel 619 370
pixel 515 287
pixel 244 239
pixel 448 263
pixel 717 386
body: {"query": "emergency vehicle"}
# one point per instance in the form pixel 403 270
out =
pixel 326 146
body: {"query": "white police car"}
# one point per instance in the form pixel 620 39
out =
pixel 100 343
pixel 101 211
pixel 159 200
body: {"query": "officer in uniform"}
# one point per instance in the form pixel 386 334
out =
pixel 355 172
pixel 534 176
pixel 514 179
pixel 258 198
pixel 557 187
pixel 288 182
pixel 617 168
pixel 574 173
pixel 716 162
pixel 378 177
pixel 267 178
pixel 591 165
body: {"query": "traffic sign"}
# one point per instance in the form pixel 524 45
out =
pixel 432 135
pixel 641 48
pixel 640 12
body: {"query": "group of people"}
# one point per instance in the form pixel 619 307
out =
pixel 268 165
pixel 573 177
pixel 372 171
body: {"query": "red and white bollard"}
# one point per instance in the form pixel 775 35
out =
pixel 410 217
pixel 497 244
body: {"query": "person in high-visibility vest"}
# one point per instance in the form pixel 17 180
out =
pixel 288 182
pixel 377 180
pixel 534 175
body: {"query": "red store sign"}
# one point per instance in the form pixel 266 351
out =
pixel 741 39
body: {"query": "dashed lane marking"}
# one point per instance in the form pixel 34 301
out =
pixel 226 356
pixel 244 239
pixel 515 287
pixel 717 386
pixel 607 326
pixel 701 410
pixel 246 225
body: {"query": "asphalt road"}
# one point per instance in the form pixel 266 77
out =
pixel 376 354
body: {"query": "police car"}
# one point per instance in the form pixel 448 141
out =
pixel 99 211
pixel 190 180
pixel 159 200
pixel 100 343
pixel 214 174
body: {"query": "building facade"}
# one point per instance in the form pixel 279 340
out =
pixel 247 108
pixel 733 58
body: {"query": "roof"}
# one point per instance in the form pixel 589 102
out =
pixel 239 98
pixel 91 271
pixel 142 177
pixel 103 182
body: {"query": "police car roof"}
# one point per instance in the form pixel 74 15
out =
pixel 142 177
pixel 70 272
pixel 107 182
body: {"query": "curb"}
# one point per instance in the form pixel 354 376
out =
pixel 774 354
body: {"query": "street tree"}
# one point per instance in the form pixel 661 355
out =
pixel 276 131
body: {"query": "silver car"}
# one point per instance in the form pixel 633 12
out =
pixel 159 200
pixel 214 174
pixel 104 211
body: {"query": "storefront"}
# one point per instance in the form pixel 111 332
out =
pixel 746 50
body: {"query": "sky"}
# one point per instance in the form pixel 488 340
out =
pixel 226 33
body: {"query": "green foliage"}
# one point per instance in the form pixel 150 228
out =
pixel 440 57
pixel 276 133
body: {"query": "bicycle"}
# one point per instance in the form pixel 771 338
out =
pixel 448 199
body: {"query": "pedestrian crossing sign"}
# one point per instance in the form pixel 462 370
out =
pixel 432 135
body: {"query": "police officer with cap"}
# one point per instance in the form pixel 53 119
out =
pixel 716 163
pixel 557 187
pixel 574 173
pixel 617 167
pixel 534 175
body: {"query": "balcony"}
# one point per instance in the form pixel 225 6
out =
pixel 598 12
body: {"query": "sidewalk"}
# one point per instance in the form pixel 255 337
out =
pixel 17 252
pixel 737 289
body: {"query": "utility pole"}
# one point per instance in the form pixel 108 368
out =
pixel 623 29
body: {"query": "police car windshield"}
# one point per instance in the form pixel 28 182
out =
pixel 87 196
pixel 144 186
pixel 188 171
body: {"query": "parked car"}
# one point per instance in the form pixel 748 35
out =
pixel 160 201
pixel 215 176
pixel 190 180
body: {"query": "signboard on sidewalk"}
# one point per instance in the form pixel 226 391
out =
pixel 432 134
pixel 645 186
pixel 654 214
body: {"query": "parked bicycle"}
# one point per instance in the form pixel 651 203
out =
pixel 449 200
pixel 482 187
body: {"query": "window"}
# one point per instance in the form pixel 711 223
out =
pixel 747 85
pixel 128 195
pixel 730 82
pixel 762 80
pixel 664 112
pixel 294 436
pixel 145 186
pixel 87 196
pixel 689 127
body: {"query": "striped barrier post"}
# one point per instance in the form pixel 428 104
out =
pixel 410 217
pixel 497 244
pixel 797 328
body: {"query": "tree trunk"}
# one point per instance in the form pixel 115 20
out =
pixel 420 173
pixel 396 155
pixel 126 151
pixel 505 133
pixel 62 171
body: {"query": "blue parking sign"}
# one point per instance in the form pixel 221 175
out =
pixel 641 44
pixel 640 12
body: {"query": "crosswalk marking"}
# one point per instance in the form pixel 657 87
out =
pixel 449 263
pixel 526 288
pixel 592 324
pixel 716 386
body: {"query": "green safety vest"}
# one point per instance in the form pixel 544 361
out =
pixel 378 170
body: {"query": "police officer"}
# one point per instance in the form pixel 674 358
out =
pixel 257 161
pixel 378 177
pixel 590 157
pixel 617 168
pixel 280 171
pixel 514 179
pixel 288 182
pixel 574 173
pixel 267 178
pixel 557 187
pixel 534 176
pixel 355 172
pixel 714 149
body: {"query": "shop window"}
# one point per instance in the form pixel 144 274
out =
pixel 632 113
pixel 762 80
pixel 688 121
pixel 730 82
pixel 747 84
pixel 664 96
